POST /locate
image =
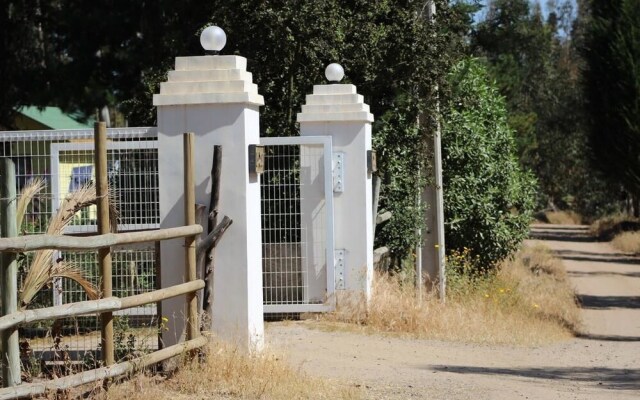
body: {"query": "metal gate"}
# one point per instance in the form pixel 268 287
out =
pixel 297 225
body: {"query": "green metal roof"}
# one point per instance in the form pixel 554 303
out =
pixel 54 118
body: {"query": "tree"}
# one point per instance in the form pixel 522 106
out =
pixel 536 65
pixel 22 61
pixel 516 46
pixel 488 199
pixel 612 86
pixel 388 49
pixel 97 54
pixel 83 55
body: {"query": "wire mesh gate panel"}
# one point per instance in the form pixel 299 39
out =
pixel 63 160
pixel 297 225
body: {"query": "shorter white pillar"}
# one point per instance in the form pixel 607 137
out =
pixel 213 96
pixel 338 111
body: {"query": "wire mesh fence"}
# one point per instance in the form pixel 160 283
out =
pixel 284 278
pixel 62 161
pixel 293 229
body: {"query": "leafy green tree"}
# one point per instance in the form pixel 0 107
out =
pixel 390 50
pixel 612 85
pixel 82 55
pixel 488 198
pixel 22 61
pixel 517 46
pixel 536 65
pixel 104 53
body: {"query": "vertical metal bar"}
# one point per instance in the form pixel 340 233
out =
pixel 104 226
pixel 11 356
pixel 189 242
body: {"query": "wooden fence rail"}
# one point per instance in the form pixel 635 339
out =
pixel 36 389
pixel 96 306
pixel 105 306
pixel 60 242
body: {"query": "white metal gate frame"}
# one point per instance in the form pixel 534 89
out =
pixel 326 143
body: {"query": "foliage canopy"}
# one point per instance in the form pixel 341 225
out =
pixel 612 88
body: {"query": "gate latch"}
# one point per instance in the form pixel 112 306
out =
pixel 338 172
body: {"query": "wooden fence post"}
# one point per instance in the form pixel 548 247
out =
pixel 193 330
pixel 9 274
pixel 104 227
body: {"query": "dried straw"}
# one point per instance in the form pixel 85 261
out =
pixel 28 192
pixel 71 271
pixel 42 269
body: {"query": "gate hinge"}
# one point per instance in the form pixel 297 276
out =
pixel 338 172
pixel 340 255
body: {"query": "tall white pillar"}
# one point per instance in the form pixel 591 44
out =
pixel 214 97
pixel 338 111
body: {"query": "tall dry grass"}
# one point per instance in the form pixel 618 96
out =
pixel 563 217
pixel 528 302
pixel 606 228
pixel 228 373
pixel 628 242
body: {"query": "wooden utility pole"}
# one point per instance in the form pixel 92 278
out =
pixel 432 255
pixel 9 274
pixel 193 328
pixel 104 227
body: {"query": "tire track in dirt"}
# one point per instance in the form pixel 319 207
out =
pixel 604 363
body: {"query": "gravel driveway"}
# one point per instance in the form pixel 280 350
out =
pixel 604 363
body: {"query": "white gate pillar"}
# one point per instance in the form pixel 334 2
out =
pixel 338 111
pixel 214 97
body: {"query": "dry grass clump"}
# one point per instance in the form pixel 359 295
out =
pixel 627 241
pixel 228 373
pixel 607 228
pixel 563 217
pixel 528 302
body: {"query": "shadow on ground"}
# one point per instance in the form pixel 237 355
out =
pixel 610 378
pixel 568 236
pixel 608 338
pixel 620 258
pixel 604 302
pixel 583 274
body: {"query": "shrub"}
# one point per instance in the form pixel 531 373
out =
pixel 488 198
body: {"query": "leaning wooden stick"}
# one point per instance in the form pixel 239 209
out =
pixel 216 169
pixel 209 242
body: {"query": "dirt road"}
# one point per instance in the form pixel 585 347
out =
pixel 602 364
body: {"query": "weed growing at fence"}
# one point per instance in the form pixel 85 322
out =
pixel 230 374
pixel 527 301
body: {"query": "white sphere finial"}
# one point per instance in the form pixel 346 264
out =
pixel 213 38
pixel 334 72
